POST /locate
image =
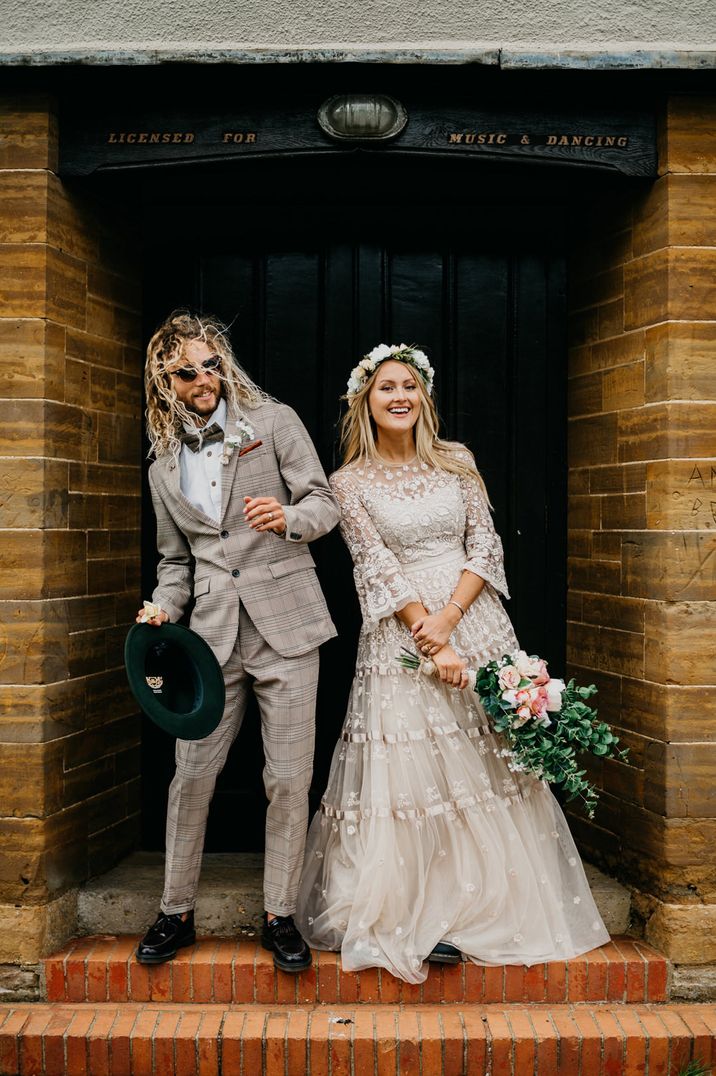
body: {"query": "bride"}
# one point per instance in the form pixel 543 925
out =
pixel 426 844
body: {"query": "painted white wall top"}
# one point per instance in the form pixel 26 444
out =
pixel 611 33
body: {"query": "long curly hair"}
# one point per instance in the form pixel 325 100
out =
pixel 358 434
pixel 165 412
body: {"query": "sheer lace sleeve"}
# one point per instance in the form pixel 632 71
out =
pixel 482 542
pixel 382 587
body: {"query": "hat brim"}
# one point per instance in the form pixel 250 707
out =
pixel 175 678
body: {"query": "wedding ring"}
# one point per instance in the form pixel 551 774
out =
pixel 270 515
pixel 426 649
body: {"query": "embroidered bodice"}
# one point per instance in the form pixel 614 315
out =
pixel 411 530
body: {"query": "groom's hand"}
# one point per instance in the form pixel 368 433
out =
pixel 264 514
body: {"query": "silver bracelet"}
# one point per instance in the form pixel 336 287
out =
pixel 453 602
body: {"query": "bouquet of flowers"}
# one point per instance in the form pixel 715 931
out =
pixel 543 721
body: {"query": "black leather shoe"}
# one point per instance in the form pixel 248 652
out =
pixel 164 939
pixel 445 954
pixel 280 936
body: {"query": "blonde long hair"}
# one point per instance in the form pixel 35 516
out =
pixel 358 433
pixel 165 412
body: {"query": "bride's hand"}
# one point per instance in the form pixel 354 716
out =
pixel 451 669
pixel 433 631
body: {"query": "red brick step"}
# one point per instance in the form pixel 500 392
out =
pixel 449 1040
pixel 221 971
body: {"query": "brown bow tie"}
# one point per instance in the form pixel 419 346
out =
pixel 207 436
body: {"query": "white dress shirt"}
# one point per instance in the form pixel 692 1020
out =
pixel 200 472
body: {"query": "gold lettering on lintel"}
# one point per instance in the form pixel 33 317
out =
pixel 502 138
pixel 154 138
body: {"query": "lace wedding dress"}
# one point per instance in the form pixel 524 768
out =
pixel 424 834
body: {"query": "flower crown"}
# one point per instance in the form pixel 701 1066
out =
pixel 401 353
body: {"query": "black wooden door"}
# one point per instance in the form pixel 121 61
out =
pixel 307 292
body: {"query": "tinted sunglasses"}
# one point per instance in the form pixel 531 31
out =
pixel 189 373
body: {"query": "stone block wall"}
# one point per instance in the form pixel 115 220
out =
pixel 70 444
pixel 642 525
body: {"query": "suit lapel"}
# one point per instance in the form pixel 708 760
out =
pixel 227 480
pixel 172 480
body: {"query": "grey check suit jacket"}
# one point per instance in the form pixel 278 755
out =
pixel 223 563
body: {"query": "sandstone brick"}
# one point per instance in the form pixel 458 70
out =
pixel 623 386
pixel 579 544
pixel 592 441
pixel 684 933
pixel 108 697
pixel 23 281
pixel 33 493
pixel 612 611
pixel 33 642
pixel 607 545
pixel 123 482
pixel 583 327
pixel 95 350
pixel 107 846
pixel 669 712
pixel 622 350
pixel 680 641
pixel 679 779
pixel 42 564
pixel 31 778
pixel 129 396
pixel 609 688
pixel 584 513
pixel 651 219
pixel 115 323
pixel 667 431
pixel 692 210
pixel 45 428
pixel 681 494
pixel 35 713
pixel 611 319
pixel 85 510
pixel 608 649
pixel 74 222
pixel 624 511
pixel 597 287
pixel 29 933
pixel 66 289
pixel 103 390
pixel 596 576
pixel 624 781
pixel 28 132
pixel 681 361
pixel 119 440
pixel 23 207
pixel 620 478
pixel 584 395
pixel 31 359
pixel 669 565
pixel 690 138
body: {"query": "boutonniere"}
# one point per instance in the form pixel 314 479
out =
pixel 238 440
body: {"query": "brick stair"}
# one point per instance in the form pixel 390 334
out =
pixel 220 1008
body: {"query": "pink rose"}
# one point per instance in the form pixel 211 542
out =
pixel 522 716
pixel 508 677
pixel 542 676
pixel 538 702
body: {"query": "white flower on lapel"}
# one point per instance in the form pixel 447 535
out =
pixel 236 440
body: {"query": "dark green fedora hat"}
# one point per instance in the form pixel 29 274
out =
pixel 175 678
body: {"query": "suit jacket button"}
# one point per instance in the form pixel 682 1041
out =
pixel 236 573
pixel 224 534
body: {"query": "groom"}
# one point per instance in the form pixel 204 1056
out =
pixel 238 491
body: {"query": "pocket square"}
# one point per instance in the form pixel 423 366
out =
pixel 250 447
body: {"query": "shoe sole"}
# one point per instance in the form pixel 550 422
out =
pixel 437 959
pixel 283 965
pixel 168 956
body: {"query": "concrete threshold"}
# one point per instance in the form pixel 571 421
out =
pixel 125 900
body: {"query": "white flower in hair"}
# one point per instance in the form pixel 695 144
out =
pixel 403 353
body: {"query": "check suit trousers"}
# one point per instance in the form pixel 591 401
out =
pixel 285 690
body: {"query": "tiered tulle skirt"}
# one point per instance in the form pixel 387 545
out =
pixel 426 835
